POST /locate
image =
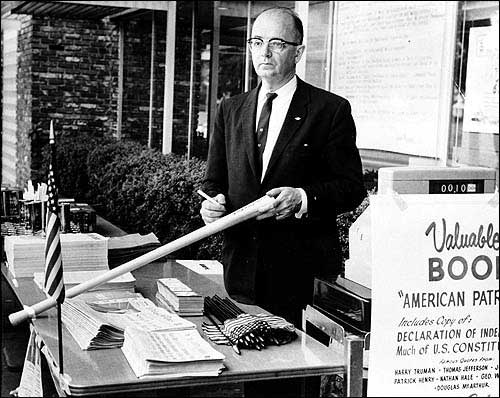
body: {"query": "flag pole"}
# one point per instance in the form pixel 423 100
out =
pixel 59 338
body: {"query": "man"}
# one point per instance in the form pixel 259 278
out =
pixel 298 147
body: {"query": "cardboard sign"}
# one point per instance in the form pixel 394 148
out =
pixel 435 295
pixel 31 378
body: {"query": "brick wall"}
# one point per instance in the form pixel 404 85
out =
pixel 182 77
pixel 136 82
pixel 24 100
pixel 67 72
pixel 136 90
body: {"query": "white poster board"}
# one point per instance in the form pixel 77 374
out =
pixel 203 267
pixel 393 61
pixel 31 378
pixel 481 96
pixel 434 326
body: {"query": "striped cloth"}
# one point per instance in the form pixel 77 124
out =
pixel 274 330
pixel 245 324
pixel 54 283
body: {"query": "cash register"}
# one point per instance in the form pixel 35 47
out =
pixel 347 300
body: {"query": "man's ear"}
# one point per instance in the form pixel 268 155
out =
pixel 298 53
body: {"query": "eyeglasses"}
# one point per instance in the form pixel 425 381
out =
pixel 274 44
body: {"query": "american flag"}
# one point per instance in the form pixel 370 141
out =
pixel 54 283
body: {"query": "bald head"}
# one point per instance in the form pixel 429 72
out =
pixel 288 17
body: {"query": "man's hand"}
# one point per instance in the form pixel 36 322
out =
pixel 211 212
pixel 288 202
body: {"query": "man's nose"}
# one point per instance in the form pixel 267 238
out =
pixel 266 50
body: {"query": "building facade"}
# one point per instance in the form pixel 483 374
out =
pixel 422 78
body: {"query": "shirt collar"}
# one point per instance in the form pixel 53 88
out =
pixel 283 92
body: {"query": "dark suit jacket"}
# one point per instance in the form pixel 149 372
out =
pixel 273 260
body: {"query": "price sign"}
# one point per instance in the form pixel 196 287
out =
pixel 456 186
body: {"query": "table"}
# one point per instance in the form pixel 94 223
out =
pixel 107 371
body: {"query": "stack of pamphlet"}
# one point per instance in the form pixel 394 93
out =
pixel 98 319
pixel 174 295
pixel 125 281
pixel 122 249
pixel 171 354
pixel 90 328
pixel 82 252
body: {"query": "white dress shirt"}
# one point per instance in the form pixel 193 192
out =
pixel 279 110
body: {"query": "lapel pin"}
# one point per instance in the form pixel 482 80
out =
pixel 297 118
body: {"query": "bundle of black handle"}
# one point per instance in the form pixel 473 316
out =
pixel 242 330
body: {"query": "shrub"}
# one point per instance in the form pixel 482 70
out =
pixel 344 222
pixel 110 168
pixel 142 190
pixel 370 178
pixel 71 158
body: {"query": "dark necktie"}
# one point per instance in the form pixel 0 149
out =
pixel 262 128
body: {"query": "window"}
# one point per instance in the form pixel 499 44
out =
pixel 318 49
pixel 474 133
pixel 436 123
pixel 227 56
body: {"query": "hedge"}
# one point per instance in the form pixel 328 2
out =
pixel 345 220
pixel 142 190
pixel 71 156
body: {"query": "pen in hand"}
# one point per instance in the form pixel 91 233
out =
pixel 210 199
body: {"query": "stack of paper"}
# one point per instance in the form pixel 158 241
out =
pixel 174 295
pixel 90 328
pixel 125 281
pixel 171 353
pixel 122 249
pixel 98 319
pixel 81 252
